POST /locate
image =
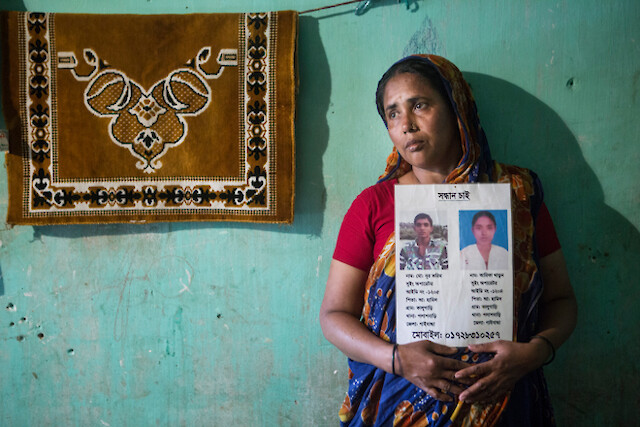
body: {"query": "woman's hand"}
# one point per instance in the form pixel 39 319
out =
pixel 423 363
pixel 513 360
pixel 493 379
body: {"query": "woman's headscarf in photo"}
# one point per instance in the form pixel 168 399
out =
pixel 377 398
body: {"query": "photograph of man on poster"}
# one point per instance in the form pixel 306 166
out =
pixel 483 240
pixel 428 249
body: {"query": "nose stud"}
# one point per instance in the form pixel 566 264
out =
pixel 410 128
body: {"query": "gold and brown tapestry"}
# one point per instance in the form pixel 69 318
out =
pixel 143 118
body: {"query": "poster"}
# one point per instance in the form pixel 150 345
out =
pixel 454 263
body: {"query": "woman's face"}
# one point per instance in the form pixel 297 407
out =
pixel 421 124
pixel 483 231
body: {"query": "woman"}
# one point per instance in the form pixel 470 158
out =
pixel 484 255
pixel 431 118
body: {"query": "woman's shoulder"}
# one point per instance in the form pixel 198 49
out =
pixel 384 188
pixel 373 200
pixel 524 181
pixel 379 193
pixel 501 170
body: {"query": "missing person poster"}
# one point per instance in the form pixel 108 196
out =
pixel 454 272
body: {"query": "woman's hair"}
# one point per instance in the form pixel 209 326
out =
pixel 413 65
pixel 423 216
pixel 480 214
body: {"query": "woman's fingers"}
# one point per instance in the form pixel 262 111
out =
pixel 425 358
pixel 425 364
pixel 446 387
pixel 440 349
pixel 438 394
pixel 473 372
pixel 490 347
pixel 483 390
pixel 476 371
pixel 496 377
pixel 472 391
pixel 453 365
pixel 445 390
pixel 464 379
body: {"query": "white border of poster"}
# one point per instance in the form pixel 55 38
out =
pixel 453 295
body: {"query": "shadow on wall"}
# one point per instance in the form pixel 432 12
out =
pixel 312 129
pixel 13 5
pixel 600 245
pixel 312 136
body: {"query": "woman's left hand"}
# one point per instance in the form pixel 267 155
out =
pixel 495 378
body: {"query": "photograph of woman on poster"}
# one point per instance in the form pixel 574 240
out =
pixel 484 253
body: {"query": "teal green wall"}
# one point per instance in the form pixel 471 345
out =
pixel 216 323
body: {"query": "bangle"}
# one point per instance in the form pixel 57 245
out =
pixel 393 359
pixel 550 344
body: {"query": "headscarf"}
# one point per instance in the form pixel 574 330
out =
pixel 376 397
pixel 475 164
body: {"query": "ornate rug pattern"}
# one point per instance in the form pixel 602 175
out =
pixel 145 118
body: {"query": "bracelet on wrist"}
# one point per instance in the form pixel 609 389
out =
pixel 393 359
pixel 550 344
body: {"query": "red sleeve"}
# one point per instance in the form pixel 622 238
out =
pixel 355 240
pixel 546 233
pixel 366 226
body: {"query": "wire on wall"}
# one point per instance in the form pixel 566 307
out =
pixel 336 5
pixel 361 9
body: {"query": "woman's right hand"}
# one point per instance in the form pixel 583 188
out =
pixel 425 364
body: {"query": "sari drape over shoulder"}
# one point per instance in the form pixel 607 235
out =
pixel 378 398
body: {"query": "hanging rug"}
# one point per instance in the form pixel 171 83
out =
pixel 146 118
